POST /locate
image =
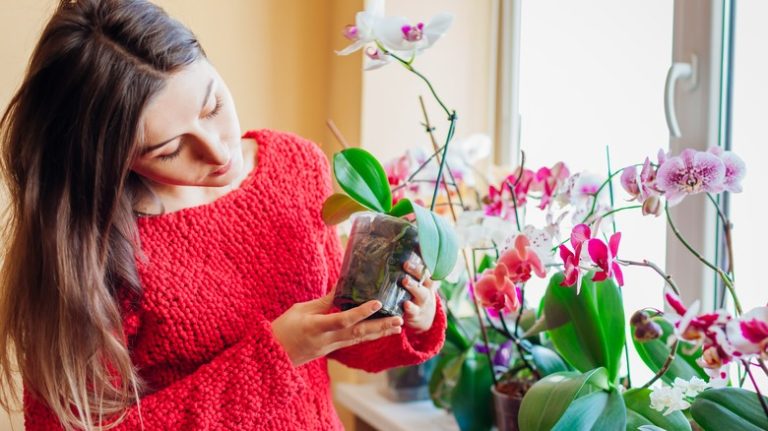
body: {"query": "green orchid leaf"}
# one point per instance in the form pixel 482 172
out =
pixel 445 375
pixel 363 178
pixel 639 412
pixel 437 239
pixel 547 361
pixel 338 207
pixel 655 352
pixel 729 409
pixel 596 411
pixel 586 329
pixel 401 208
pixel 485 263
pixel 550 397
pixel 471 401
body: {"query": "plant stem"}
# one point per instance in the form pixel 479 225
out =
pixel 648 264
pixel 519 345
pixel 616 210
pixel 757 388
pixel 472 279
pixel 726 280
pixel 435 146
pixel 407 65
pixel 451 130
pixel 665 367
pixel 602 186
pixel 727 230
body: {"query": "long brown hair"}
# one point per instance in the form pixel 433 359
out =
pixel 68 138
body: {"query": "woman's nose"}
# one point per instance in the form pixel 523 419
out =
pixel 211 149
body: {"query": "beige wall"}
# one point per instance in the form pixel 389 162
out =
pixel 277 57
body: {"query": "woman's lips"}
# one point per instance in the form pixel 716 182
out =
pixel 222 170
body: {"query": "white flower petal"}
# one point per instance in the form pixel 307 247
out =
pixel 352 48
pixel 388 30
pixel 437 27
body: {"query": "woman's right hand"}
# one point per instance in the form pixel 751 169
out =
pixel 307 332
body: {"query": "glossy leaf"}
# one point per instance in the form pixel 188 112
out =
pixel 655 352
pixel 547 361
pixel 445 375
pixel 639 412
pixel 599 410
pixel 586 329
pixel 472 402
pixel 729 409
pixel 437 240
pixel 338 207
pixel 363 178
pixel 551 396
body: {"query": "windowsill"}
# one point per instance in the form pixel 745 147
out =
pixel 369 405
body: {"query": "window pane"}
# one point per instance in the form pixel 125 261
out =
pixel 592 75
pixel 749 136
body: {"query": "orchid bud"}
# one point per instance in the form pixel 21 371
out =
pixel 351 32
pixel 645 328
pixel 652 205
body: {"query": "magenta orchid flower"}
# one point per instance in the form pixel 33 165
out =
pixel 641 186
pixel 521 261
pixel 495 290
pixel 604 256
pixel 689 173
pixel 706 330
pixel 749 333
pixel 572 260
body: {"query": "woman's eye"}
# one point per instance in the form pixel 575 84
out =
pixel 171 156
pixel 216 109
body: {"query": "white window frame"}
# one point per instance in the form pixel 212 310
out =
pixel 698 29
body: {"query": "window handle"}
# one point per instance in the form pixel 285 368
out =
pixel 677 71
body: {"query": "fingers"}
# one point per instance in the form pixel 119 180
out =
pixel 346 319
pixel 367 331
pixel 420 294
pixel 415 267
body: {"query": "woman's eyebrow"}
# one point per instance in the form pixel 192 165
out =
pixel 150 148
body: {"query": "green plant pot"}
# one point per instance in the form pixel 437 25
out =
pixel 378 247
pixel 410 383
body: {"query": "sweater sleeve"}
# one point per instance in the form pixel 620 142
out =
pixel 253 375
pixel 406 348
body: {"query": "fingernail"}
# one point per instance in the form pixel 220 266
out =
pixel 376 306
pixel 409 266
pixel 397 321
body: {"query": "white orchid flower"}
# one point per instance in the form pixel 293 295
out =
pixel 362 32
pixel 398 34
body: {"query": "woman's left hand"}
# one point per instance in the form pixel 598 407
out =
pixel 420 310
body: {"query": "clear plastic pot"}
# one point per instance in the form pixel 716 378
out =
pixel 378 247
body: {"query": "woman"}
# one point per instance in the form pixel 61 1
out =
pixel 162 272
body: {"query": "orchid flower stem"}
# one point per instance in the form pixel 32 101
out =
pixel 520 349
pixel 726 280
pixel 610 189
pixel 665 366
pixel 648 264
pixel 407 65
pixel 512 189
pixel 472 277
pixel 727 228
pixel 600 189
pixel 614 211
pixel 757 388
pixel 430 130
pixel 451 130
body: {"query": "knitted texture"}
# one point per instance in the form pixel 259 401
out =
pixel 214 277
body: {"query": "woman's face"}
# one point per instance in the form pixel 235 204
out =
pixel 189 133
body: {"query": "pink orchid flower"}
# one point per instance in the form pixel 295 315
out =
pixel 706 330
pixel 640 187
pixel 735 169
pixel 604 256
pixel 495 290
pixel 572 259
pixel 521 260
pixel 689 173
pixel 548 180
pixel 749 333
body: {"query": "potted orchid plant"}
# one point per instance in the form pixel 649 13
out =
pixel 383 238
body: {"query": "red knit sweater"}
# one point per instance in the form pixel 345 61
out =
pixel 214 278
